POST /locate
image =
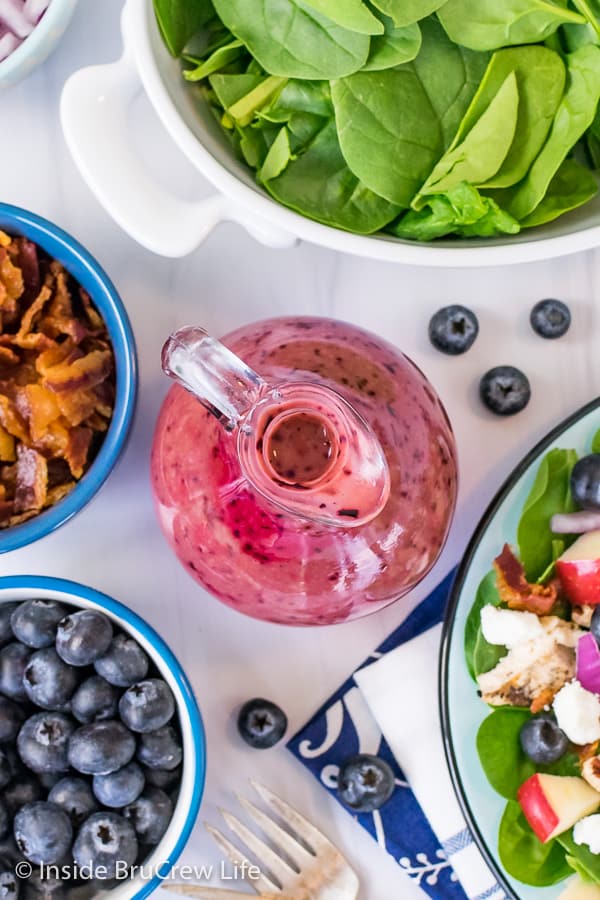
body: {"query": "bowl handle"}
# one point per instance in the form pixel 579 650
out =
pixel 95 104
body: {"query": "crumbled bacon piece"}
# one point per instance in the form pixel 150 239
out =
pixel 515 590
pixel 57 381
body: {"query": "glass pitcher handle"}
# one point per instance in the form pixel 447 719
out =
pixel 220 380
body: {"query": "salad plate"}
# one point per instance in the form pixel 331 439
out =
pixel 462 709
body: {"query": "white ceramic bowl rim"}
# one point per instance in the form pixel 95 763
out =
pixel 194 760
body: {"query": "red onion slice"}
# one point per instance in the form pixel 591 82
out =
pixel 33 10
pixel 575 523
pixel 11 15
pixel 588 663
pixel 8 43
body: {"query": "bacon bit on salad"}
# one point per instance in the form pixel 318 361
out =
pixel 582 615
pixel 515 590
pixel 18 18
pixel 57 381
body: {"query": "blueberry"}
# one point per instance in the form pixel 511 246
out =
pixel 160 749
pixel 9 883
pixel 453 329
pixel 49 779
pixel 13 659
pixel 542 740
pixel 147 705
pixel 105 842
pixel 505 390
pixel 550 318
pixel 24 788
pixel 163 778
pixel 365 782
pixel 74 795
pixel 34 622
pixel 101 747
pixel 95 699
pixel 6 632
pixel 585 482
pixel 124 662
pixel 43 885
pixel 11 719
pixel 43 742
pixel 84 636
pixel 43 832
pixel 121 787
pixel 48 681
pixel 150 815
pixel 261 723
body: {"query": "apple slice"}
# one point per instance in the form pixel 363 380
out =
pixel 580 890
pixel 553 803
pixel 579 570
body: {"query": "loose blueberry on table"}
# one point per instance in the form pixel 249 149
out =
pixel 365 783
pixel 453 329
pixel 261 723
pixel 550 318
pixel 505 390
pixel 70 788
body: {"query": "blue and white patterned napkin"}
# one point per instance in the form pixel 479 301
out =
pixel 344 726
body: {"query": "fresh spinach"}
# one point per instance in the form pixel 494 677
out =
pixel 572 186
pixel 596 442
pixel 479 156
pixel 541 78
pixel 524 856
pixel 489 25
pixel 180 20
pixel 405 12
pixel 580 857
pixel 218 59
pixel 291 39
pixel 350 14
pixel 549 494
pixel 481 656
pixel 398 44
pixel 574 115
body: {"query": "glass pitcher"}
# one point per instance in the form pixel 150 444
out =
pixel 304 470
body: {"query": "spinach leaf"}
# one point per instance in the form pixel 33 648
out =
pixel 505 765
pixel 461 210
pixel 312 97
pixel 589 14
pixel 488 25
pixel 320 185
pixel 231 88
pixel 405 12
pixel 278 157
pixel 290 39
pixel 393 125
pixel 524 856
pixel 549 494
pixel 351 14
pixel 244 109
pixel 572 186
pixel 540 77
pixel 574 115
pixel 180 20
pixel 398 44
pixel 580 857
pixel 481 656
pixel 219 59
pixel 596 442
pixel 483 150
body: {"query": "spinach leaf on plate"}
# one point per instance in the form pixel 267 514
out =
pixel 461 210
pixel 524 856
pixel 180 20
pixel 574 116
pixel 541 78
pixel 395 124
pixel 580 857
pixel 489 25
pixel 572 186
pixel 320 185
pixel 481 656
pixel 405 12
pixel 549 494
pixel 291 39
pixel 481 153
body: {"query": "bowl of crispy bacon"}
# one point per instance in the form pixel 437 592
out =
pixel 67 377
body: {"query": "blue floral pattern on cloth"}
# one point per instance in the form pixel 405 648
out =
pixel 344 726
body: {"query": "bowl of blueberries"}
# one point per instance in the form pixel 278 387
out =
pixel 102 748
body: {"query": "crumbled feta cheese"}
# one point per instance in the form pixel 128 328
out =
pixel 577 712
pixel 509 627
pixel 587 831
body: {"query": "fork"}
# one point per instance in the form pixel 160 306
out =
pixel 314 868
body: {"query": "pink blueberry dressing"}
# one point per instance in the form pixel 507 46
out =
pixel 305 514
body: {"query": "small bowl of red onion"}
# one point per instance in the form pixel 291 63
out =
pixel 29 32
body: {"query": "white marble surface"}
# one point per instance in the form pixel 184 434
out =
pixel 115 544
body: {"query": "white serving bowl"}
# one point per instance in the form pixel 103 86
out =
pixel 158 865
pixel 94 110
pixel 38 46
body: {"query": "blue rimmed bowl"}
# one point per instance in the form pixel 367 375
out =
pixel 90 275
pixel 158 865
